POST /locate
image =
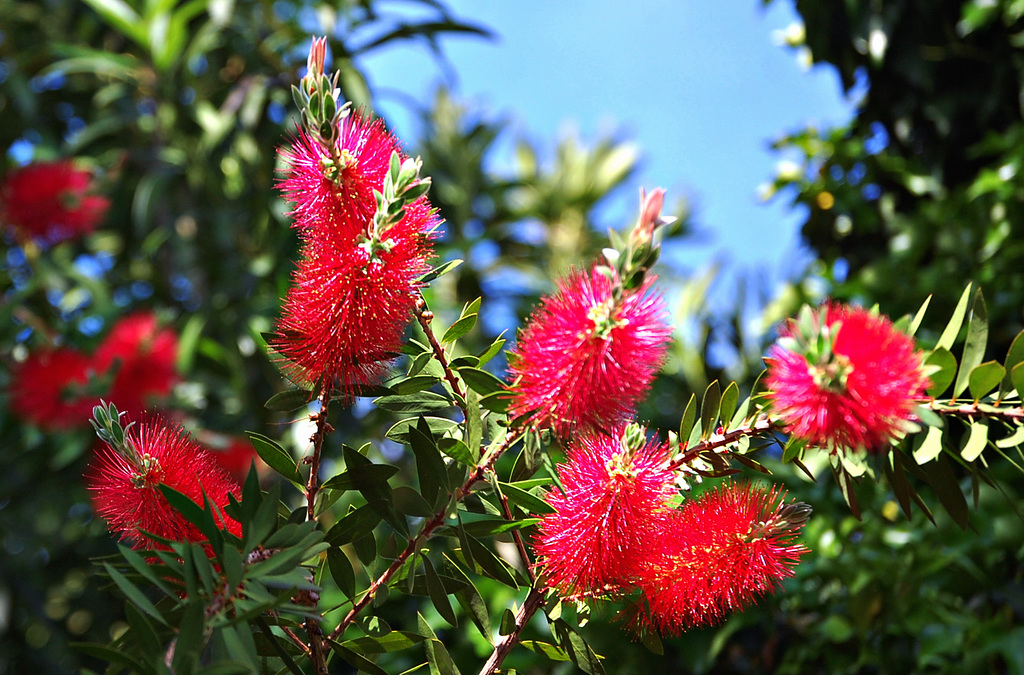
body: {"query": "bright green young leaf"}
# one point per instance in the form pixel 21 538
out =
pixel 984 378
pixel 394 641
pixel 941 368
pixel 916 323
pixel 546 649
pixel 459 451
pixel 440 270
pixel 493 350
pixel 952 329
pixel 1013 440
pixel 976 441
pixel 929 447
pixel 974 347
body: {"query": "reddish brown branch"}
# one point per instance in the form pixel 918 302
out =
pixel 424 316
pixel 505 643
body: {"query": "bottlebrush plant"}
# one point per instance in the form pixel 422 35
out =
pixel 544 481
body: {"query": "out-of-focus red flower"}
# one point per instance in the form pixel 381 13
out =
pixel 853 395
pixel 345 315
pixel 609 519
pixel 49 389
pixel 50 202
pixel 727 547
pixel 342 207
pixel 125 485
pixel 142 356
pixel 585 359
pixel 236 455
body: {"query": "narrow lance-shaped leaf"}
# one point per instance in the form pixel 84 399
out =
pixel 1014 355
pixel 956 321
pixel 709 408
pixel 974 347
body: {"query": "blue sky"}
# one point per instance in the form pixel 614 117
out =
pixel 701 87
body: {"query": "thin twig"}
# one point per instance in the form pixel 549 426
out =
pixel 505 643
pixel 975 409
pixel 517 536
pixel 424 316
pixel 486 464
pixel 317 439
pixel 714 442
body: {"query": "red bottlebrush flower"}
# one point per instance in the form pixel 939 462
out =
pixel 343 208
pixel 856 391
pixel 50 202
pixel 126 491
pixel 142 356
pixel 235 456
pixel 728 547
pixel 49 389
pixel 611 516
pixel 585 360
pixel 344 318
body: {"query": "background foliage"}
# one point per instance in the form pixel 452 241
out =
pixel 179 108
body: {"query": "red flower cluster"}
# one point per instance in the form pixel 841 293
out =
pixel 611 494
pixel 586 357
pixel 615 529
pixel 57 388
pixel 126 491
pixel 726 548
pixel 355 289
pixel 50 202
pixel 853 394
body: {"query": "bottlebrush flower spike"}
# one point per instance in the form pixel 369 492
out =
pixel 50 202
pixel 611 516
pixel 334 192
pixel 587 355
pixel 142 356
pixel 728 546
pixel 345 316
pixel 50 389
pixel 125 479
pixel 843 378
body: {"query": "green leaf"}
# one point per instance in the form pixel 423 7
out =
pixel 440 270
pixel 198 516
pixel 976 441
pixel 354 525
pixel 411 385
pixel 113 656
pixel 430 467
pixel 123 18
pixel 144 569
pixel 929 447
pixel 916 323
pixel 1017 377
pixel 487 527
pixel 438 596
pixel 546 649
pixel 419 402
pixel 356 660
pixel 943 481
pixel 709 408
pixel 459 451
pixel 190 642
pixel 952 329
pixel 576 647
pixel 527 500
pixel 481 381
pixel 974 347
pixel 689 418
pixel 507 626
pixel 395 641
pixel 474 426
pixel 459 328
pixel 794 446
pixel 1014 355
pixel 1013 440
pixel 438 426
pixel 276 457
pixel 411 503
pixel 341 571
pixel 437 656
pixel 142 630
pixel 361 477
pixel 490 564
pixel 730 398
pixel 491 351
pixel 984 378
pixel 471 600
pixel 498 402
pixel 941 364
